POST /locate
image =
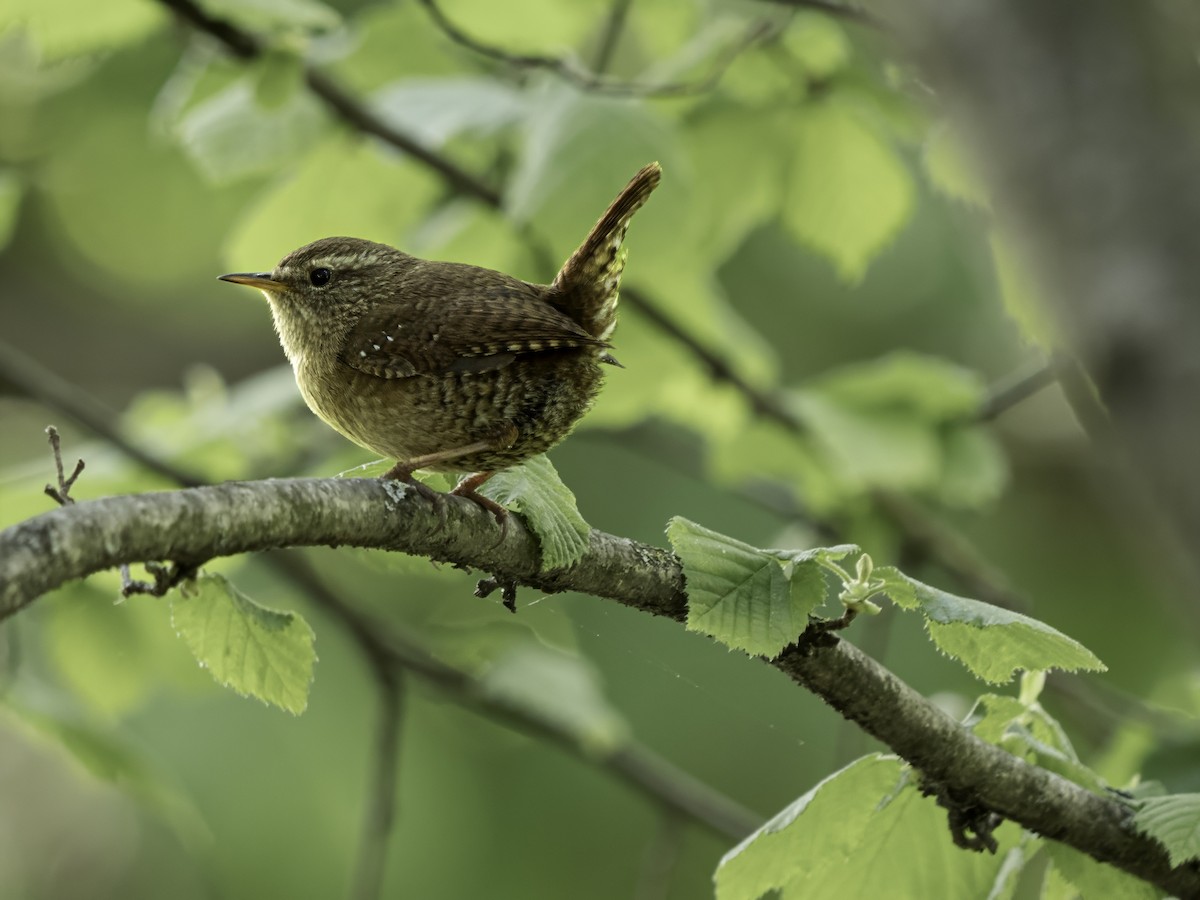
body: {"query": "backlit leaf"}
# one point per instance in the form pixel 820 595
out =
pixel 256 651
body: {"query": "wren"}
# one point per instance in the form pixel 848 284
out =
pixel 446 366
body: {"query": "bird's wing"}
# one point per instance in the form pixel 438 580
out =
pixel 482 320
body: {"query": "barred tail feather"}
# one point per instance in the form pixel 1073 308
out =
pixel 586 288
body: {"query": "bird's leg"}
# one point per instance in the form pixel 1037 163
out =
pixel 403 471
pixel 466 488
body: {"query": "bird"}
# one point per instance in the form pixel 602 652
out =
pixel 445 366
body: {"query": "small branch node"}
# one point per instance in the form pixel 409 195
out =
pixel 971 824
pixel 508 591
pixel 61 494
pixel 166 578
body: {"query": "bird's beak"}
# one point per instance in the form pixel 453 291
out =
pixel 261 280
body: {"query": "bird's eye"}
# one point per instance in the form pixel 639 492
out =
pixel 320 277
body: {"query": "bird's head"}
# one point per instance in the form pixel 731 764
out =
pixel 318 292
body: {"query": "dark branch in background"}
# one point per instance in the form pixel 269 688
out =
pixel 595 82
pixel 652 776
pixel 656 778
pixel 837 10
pixel 46 386
pixel 198 524
pixel 611 36
pixel 380 793
pixel 1021 385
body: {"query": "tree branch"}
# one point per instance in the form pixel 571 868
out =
pixel 194 525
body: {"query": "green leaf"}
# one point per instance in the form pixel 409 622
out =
pixel 277 15
pixel 547 505
pixel 557 688
pixel 535 26
pixel 928 387
pixel 849 193
pixel 751 599
pixel 1021 295
pixel 948 169
pixel 876 448
pixel 1096 879
pixel 256 651
pixel 992 642
pixel 818 44
pixel 72 27
pixel 114 656
pixel 737 153
pixel 1173 821
pixel 1032 734
pixel 577 151
pixel 232 135
pixel 904 422
pixel 345 186
pixel 434 110
pixel 857 834
pixel 974 468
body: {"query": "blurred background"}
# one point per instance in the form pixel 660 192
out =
pixel 817 233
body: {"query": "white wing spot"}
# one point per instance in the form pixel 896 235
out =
pixel 375 346
pixel 362 353
pixel 389 337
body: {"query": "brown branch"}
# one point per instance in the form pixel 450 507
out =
pixel 202 523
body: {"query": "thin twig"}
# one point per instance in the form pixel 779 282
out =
pixel 61 494
pixel 596 82
pixel 1018 386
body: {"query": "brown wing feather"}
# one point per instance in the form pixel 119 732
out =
pixel 452 318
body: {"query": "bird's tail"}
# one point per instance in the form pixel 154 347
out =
pixel 587 286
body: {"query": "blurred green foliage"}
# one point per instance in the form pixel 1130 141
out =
pixel 816 228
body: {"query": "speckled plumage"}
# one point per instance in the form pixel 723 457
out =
pixel 447 366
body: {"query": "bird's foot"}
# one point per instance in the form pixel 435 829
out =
pixel 403 473
pixel 467 488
